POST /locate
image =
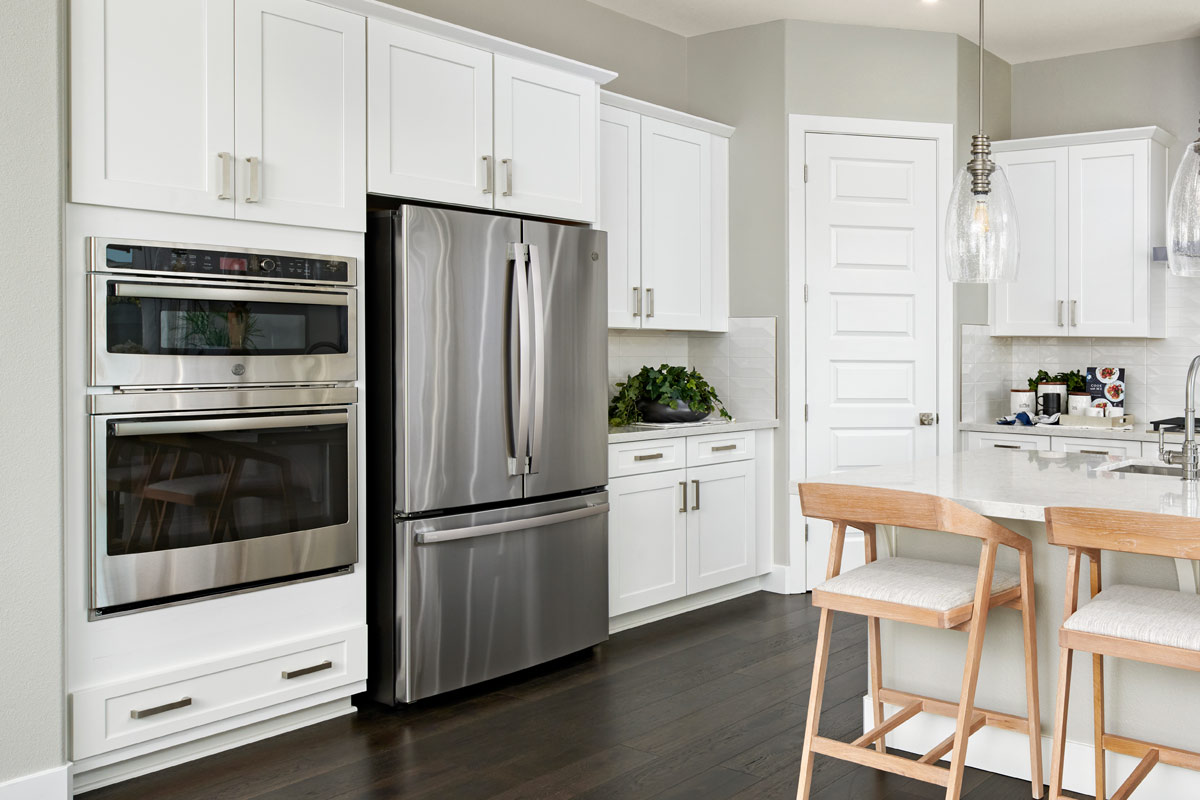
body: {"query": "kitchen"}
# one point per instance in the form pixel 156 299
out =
pixel 719 93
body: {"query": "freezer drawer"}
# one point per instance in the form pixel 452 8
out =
pixel 497 591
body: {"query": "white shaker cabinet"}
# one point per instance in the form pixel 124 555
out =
pixel 1091 208
pixel 721 530
pixel 647 540
pixel 301 114
pixel 664 200
pixel 152 105
pixel 429 119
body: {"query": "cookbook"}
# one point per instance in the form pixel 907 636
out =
pixel 1106 386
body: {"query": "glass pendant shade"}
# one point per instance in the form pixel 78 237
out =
pixel 1183 216
pixel 983 242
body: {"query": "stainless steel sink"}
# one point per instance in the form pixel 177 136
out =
pixel 1150 469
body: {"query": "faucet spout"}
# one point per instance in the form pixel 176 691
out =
pixel 1191 454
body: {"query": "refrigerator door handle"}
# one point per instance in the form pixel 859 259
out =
pixel 537 424
pixel 518 462
pixel 475 531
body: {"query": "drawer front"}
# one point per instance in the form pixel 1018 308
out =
pixel 118 715
pixel 639 458
pixel 1098 447
pixel 719 448
pixel 1007 441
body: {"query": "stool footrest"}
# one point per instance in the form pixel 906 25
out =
pixel 943 708
pixel 887 762
pixel 1138 749
pixel 890 724
pixel 947 744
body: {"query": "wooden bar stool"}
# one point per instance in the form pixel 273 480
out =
pixel 929 593
pixel 1158 626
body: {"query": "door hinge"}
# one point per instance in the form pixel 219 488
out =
pixel 806 292
pixel 806 412
pixel 806 533
pixel 806 173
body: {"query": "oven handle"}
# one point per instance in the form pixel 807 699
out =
pixel 173 292
pixel 143 428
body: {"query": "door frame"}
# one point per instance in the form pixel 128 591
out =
pixel 799 125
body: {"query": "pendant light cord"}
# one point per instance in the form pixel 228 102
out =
pixel 981 66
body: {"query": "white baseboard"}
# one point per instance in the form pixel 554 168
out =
pixel 1007 753
pixel 682 605
pixel 785 579
pixel 50 784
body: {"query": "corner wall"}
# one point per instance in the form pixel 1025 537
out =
pixel 32 703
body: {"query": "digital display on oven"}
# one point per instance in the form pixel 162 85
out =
pixel 233 263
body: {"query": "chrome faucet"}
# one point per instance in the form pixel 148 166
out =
pixel 1189 456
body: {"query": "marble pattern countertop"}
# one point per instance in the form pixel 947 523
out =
pixel 1141 431
pixel 636 434
pixel 1020 484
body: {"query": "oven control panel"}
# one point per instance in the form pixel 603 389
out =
pixel 124 255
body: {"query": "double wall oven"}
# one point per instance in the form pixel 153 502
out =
pixel 223 420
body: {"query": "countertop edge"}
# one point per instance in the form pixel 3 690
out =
pixel 1141 431
pixel 619 435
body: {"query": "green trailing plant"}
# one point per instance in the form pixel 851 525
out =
pixel 671 386
pixel 1074 380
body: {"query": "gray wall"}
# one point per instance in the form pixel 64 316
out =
pixel 31 591
pixel 652 62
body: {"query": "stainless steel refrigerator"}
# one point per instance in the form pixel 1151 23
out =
pixel 486 343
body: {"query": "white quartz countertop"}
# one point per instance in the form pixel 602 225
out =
pixel 636 434
pixel 1020 484
pixel 1141 431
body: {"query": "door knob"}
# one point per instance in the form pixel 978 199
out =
pixel 927 418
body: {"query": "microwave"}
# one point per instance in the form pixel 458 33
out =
pixel 168 314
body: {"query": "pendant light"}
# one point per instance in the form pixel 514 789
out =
pixel 982 238
pixel 1183 216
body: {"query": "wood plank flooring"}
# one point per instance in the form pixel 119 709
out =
pixel 706 706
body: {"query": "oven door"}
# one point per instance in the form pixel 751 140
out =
pixel 202 501
pixel 147 332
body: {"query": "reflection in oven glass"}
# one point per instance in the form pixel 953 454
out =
pixel 174 490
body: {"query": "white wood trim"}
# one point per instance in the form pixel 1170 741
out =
pixel 666 114
pixel 49 784
pixel 947 357
pixel 1152 132
pixel 457 33
pixel 682 605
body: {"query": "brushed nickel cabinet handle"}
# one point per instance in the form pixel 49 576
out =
pixel 1094 452
pixel 683 502
pixel 142 713
pixel 637 301
pixel 255 193
pixel 296 673
pixel 487 174
pixel 1060 312
pixel 651 457
pixel 226 192
pixel 1008 446
pixel 696 486
pixel 649 303
pixel 1074 316
pixel 508 169
pixel 722 448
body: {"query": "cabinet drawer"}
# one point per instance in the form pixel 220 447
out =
pixel 1007 441
pixel 1097 447
pixel 639 458
pixel 121 714
pixel 718 448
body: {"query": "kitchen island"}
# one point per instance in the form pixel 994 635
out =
pixel 1014 488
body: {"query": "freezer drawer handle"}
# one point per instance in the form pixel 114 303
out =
pixel 435 537
pixel 651 457
pixel 297 673
pixel 142 713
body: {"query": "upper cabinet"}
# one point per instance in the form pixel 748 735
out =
pixel 664 200
pixel 478 129
pixel 1090 209
pixel 247 109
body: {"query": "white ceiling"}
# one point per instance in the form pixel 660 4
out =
pixel 1017 30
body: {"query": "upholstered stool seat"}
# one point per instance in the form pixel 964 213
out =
pixel 1153 616
pixel 931 585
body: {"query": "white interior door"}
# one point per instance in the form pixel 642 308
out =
pixel 619 212
pixel 871 263
pixel 301 116
pixel 676 226
pixel 429 119
pixel 152 105
pixel 1035 303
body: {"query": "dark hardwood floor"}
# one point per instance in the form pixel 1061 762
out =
pixel 706 706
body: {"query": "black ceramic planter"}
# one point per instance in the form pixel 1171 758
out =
pixel 657 412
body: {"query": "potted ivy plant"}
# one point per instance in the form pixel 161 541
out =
pixel 664 394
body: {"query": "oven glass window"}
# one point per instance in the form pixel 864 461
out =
pixel 172 327
pixel 170 488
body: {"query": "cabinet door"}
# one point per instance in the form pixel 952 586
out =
pixel 721 527
pixel 1110 251
pixel 647 536
pixel 1096 447
pixel 301 120
pixel 429 117
pixel 1035 304
pixel 545 139
pixel 152 105
pixel 676 226
pixel 619 212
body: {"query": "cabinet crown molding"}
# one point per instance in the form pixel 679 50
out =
pixel 1152 132
pixel 375 9
pixel 608 98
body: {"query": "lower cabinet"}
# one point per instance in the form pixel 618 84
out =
pixel 1097 447
pixel 679 531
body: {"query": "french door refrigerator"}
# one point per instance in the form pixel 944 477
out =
pixel 487 446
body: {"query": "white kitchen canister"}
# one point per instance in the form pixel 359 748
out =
pixel 1022 400
pixel 1078 403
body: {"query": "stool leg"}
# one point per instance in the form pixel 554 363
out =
pixel 816 694
pixel 1029 626
pixel 1058 750
pixel 1098 694
pixel 876 654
